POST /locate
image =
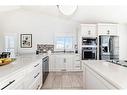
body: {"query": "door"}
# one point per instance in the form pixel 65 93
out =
pixel 11 43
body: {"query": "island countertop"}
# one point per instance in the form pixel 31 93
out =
pixel 20 62
pixel 114 74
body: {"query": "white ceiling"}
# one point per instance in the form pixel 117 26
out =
pixel 84 14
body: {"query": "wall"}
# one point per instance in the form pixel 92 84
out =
pixel 42 27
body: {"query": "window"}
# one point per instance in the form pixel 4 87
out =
pixel 64 43
pixel 10 44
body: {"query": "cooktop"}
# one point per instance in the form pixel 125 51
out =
pixel 119 62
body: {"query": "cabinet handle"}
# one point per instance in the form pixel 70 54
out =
pixel 89 32
pixel 36 65
pixel 78 66
pixel 36 75
pixel 108 32
pixel 8 85
pixel 77 60
pixel 64 60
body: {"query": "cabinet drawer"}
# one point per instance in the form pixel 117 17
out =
pixel 14 82
pixel 36 84
pixel 32 74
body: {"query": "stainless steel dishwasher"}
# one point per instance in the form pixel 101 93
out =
pixel 45 68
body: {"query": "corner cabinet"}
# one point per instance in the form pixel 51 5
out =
pixel 107 29
pixel 88 30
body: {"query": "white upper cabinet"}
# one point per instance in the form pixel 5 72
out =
pixel 107 29
pixel 88 30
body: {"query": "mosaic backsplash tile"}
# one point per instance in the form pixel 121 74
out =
pixel 43 48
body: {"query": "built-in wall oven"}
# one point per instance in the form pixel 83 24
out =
pixel 45 68
pixel 89 53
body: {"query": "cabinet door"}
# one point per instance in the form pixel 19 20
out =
pixel 52 63
pixel 112 29
pixel 69 63
pixel 88 30
pixel 84 76
pixel 60 63
pixel 107 29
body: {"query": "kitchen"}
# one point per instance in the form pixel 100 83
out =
pixel 51 50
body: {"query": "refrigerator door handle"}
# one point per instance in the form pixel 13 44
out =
pixel 109 45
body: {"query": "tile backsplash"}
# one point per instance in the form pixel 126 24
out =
pixel 43 48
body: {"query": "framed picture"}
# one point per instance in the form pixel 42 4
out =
pixel 26 40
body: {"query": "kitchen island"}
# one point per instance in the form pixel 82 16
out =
pixel 99 74
pixel 24 73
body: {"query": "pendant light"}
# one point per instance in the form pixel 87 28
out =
pixel 67 9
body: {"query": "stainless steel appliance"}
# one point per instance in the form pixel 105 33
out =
pixel 89 41
pixel 108 47
pixel 89 53
pixel 45 68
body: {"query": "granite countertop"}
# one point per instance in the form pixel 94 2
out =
pixel 20 62
pixel 114 74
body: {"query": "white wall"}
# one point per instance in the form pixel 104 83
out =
pixel 42 27
pixel 123 41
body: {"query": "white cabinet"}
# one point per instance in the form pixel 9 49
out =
pixel 88 30
pixel 92 80
pixel 107 29
pixel 84 76
pixel 69 62
pixel 60 62
pixel 65 62
pixel 77 62
pixel 30 77
pixel 14 81
pixel 33 75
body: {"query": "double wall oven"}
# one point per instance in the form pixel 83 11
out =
pixel 89 48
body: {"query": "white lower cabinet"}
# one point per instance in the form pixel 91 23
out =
pixel 94 81
pixel 13 82
pixel 65 62
pixel 30 77
pixel 33 77
pixel 36 84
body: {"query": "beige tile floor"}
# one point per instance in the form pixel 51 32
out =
pixel 64 80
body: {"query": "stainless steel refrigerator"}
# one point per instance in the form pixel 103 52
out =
pixel 108 47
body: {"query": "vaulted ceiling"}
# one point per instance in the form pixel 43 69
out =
pixel 84 14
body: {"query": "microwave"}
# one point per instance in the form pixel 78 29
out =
pixel 89 41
